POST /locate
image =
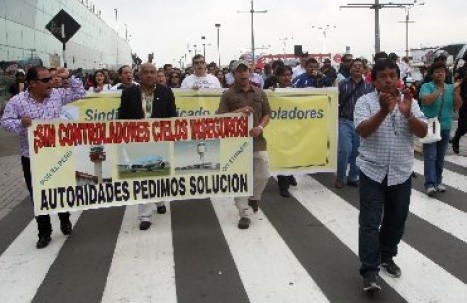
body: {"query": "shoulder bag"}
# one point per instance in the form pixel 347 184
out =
pixel 434 127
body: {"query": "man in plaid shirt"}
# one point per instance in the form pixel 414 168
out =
pixel 386 121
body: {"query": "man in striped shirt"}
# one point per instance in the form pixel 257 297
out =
pixel 349 91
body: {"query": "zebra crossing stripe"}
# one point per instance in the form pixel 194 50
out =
pixel 439 214
pixel 450 178
pixel 458 160
pixel 23 267
pixel 422 280
pixel 142 267
pixel 266 265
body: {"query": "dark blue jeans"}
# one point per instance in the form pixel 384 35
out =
pixel 433 156
pixel 375 242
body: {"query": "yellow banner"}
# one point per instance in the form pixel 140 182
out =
pixel 80 165
pixel 301 135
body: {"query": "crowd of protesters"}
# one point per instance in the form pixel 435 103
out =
pixel 380 111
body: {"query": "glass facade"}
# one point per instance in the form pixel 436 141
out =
pixel 23 35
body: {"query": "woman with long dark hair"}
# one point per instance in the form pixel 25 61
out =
pixel 174 80
pixel 99 82
pixel 221 76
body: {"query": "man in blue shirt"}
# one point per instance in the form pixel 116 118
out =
pixel 313 77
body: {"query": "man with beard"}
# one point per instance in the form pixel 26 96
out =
pixel 147 100
pixel 39 102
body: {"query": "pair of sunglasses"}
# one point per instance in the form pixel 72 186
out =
pixel 44 80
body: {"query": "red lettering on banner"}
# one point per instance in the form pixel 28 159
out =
pixel 44 136
pixel 86 133
pixel 219 127
pixel 169 130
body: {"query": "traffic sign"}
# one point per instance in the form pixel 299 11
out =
pixel 63 26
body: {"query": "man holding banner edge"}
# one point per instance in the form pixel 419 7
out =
pixel 243 97
pixel 147 100
pixel 39 101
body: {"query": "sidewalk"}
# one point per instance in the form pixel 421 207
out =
pixel 12 188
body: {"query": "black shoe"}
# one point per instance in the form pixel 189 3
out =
pixel 338 183
pixel 144 225
pixel 161 209
pixel 353 183
pixel 370 282
pixel 285 193
pixel 391 268
pixel 455 146
pixel 292 181
pixel 244 223
pixel 66 227
pixel 253 204
pixel 43 242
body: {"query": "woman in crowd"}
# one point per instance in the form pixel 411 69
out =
pixel 221 76
pixel 438 99
pixel 99 82
pixel 160 78
pixel 174 80
pixel 125 74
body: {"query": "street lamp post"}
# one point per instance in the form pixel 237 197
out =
pixel 407 21
pixel 252 12
pixel 218 48
pixel 116 30
pixel 324 30
pixel 203 39
pixel 377 6
pixel 284 43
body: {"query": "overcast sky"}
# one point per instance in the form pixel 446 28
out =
pixel 166 27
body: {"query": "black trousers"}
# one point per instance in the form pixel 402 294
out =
pixel 461 123
pixel 43 221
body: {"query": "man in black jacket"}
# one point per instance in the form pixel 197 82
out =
pixel 147 100
pixel 461 76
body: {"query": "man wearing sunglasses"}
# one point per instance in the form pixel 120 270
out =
pixel 200 79
pixel 43 102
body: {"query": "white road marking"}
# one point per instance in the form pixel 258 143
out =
pixel 143 268
pixel 269 270
pixel 450 178
pixel 422 280
pixel 439 214
pixel 23 267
